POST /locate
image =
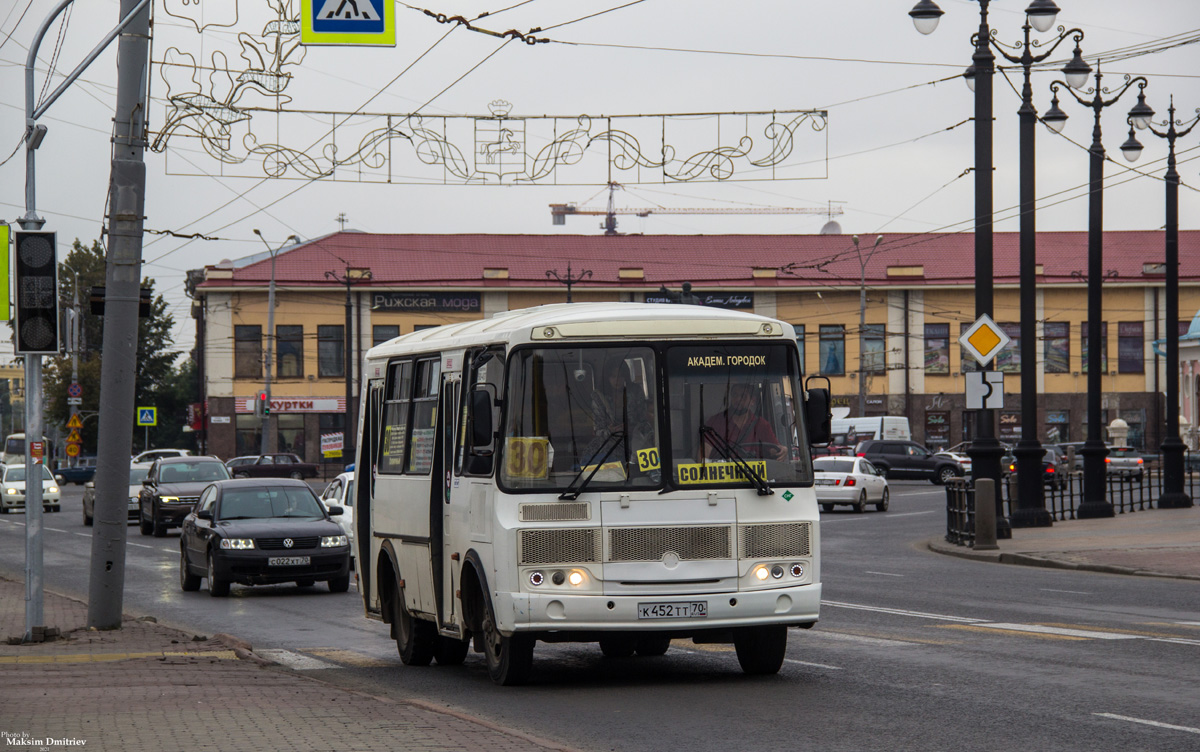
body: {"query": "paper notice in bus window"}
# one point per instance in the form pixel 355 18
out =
pixel 393 448
pixel 648 459
pixel 420 458
pixel 527 457
pixel 718 472
pixel 609 472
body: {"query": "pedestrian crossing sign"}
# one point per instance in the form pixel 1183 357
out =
pixel 348 22
pixel 147 416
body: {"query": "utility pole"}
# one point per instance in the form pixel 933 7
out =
pixel 268 442
pixel 127 199
pixel 862 321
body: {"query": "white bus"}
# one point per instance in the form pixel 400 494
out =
pixel 503 502
pixel 14 450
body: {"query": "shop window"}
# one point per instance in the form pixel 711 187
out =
pixel 1008 359
pixel 968 360
pixel 1058 426
pixel 249 434
pixel 331 352
pixel 1083 349
pixel 1057 348
pixel 1131 347
pixel 247 352
pixel 937 349
pixel 289 352
pixel 290 434
pixel 833 350
pixel 381 333
pixel 874 357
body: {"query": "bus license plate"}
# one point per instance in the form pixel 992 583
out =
pixel 674 610
pixel 288 561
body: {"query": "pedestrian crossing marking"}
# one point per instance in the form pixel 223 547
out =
pixel 351 657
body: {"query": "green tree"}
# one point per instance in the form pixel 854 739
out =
pixel 83 269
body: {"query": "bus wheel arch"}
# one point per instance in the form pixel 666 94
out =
pixel 387 575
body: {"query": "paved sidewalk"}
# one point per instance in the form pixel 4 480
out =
pixel 147 687
pixel 1153 542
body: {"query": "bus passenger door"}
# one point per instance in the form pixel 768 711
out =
pixel 449 560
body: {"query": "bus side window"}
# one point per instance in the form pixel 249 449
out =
pixel 481 412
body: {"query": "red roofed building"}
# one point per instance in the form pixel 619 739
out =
pixel 920 297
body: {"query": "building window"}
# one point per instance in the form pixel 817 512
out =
pixel 248 435
pixel 1058 425
pixel 1083 349
pixel 873 355
pixel 1057 348
pixel 289 352
pixel 800 346
pixel 290 434
pixel 331 352
pixel 381 333
pixel 1131 347
pixel 937 349
pixel 832 350
pixel 968 360
pixel 1009 359
pixel 247 352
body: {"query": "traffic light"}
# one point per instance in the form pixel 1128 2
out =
pixel 262 406
pixel 36 273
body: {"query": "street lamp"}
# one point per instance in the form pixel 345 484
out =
pixel 1173 496
pixel 985 450
pixel 352 275
pixel 1029 508
pixel 1095 502
pixel 862 320
pixel 268 440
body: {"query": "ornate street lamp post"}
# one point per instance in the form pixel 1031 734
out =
pixel 1095 502
pixel 1173 495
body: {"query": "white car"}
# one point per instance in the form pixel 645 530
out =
pixel 151 455
pixel 340 492
pixel 12 489
pixel 961 458
pixel 849 480
pixel 137 474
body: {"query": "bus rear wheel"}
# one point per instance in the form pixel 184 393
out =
pixel 415 638
pixel 760 650
pixel 509 659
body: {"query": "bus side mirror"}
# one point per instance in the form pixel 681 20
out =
pixel 818 413
pixel 481 419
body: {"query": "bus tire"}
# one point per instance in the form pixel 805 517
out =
pixel 653 646
pixel 449 651
pixel 509 659
pixel 415 638
pixel 760 650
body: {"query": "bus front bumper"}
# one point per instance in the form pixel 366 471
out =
pixel 526 612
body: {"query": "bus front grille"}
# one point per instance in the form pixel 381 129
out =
pixel 577 511
pixel 578 545
pixel 775 541
pixel 652 543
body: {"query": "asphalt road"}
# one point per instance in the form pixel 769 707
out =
pixel 913 651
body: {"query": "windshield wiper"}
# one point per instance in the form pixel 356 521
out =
pixel 572 493
pixel 730 452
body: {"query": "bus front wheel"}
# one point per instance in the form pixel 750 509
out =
pixel 509 659
pixel 760 650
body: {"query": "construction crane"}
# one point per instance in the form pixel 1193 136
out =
pixel 560 212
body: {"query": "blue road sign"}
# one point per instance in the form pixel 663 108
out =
pixel 147 416
pixel 348 22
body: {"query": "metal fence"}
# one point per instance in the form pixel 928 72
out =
pixel 1126 494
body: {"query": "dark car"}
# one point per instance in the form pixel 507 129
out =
pixel 908 459
pixel 278 465
pixel 83 471
pixel 262 532
pixel 171 490
pixel 1054 467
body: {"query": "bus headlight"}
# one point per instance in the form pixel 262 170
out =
pixel 761 572
pixel 575 578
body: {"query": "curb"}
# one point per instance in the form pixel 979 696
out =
pixel 242 649
pixel 939 546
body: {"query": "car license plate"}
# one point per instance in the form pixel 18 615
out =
pixel 825 482
pixel 674 610
pixel 288 561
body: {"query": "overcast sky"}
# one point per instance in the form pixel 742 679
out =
pixel 894 157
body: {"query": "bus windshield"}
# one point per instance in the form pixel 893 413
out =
pixel 591 417
pixel 582 415
pixel 735 415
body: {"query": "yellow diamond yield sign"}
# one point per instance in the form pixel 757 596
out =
pixel 984 339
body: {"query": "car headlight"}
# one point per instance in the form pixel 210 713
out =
pixel 11 491
pixel 168 499
pixel 331 541
pixel 237 544
pixel 53 489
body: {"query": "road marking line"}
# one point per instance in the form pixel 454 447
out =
pixel 902 612
pixel 1004 629
pixel 1086 634
pixel 352 658
pixel 295 661
pixel 1189 623
pixel 1156 724
pixel 885 574
pixel 814 665
pixel 1176 640
pixel 907 514
pixel 846 637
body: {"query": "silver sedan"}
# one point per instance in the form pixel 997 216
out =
pixel 849 480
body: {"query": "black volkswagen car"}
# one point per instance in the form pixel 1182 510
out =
pixel 262 531
pixel 171 489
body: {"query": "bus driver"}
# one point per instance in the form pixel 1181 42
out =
pixel 747 431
